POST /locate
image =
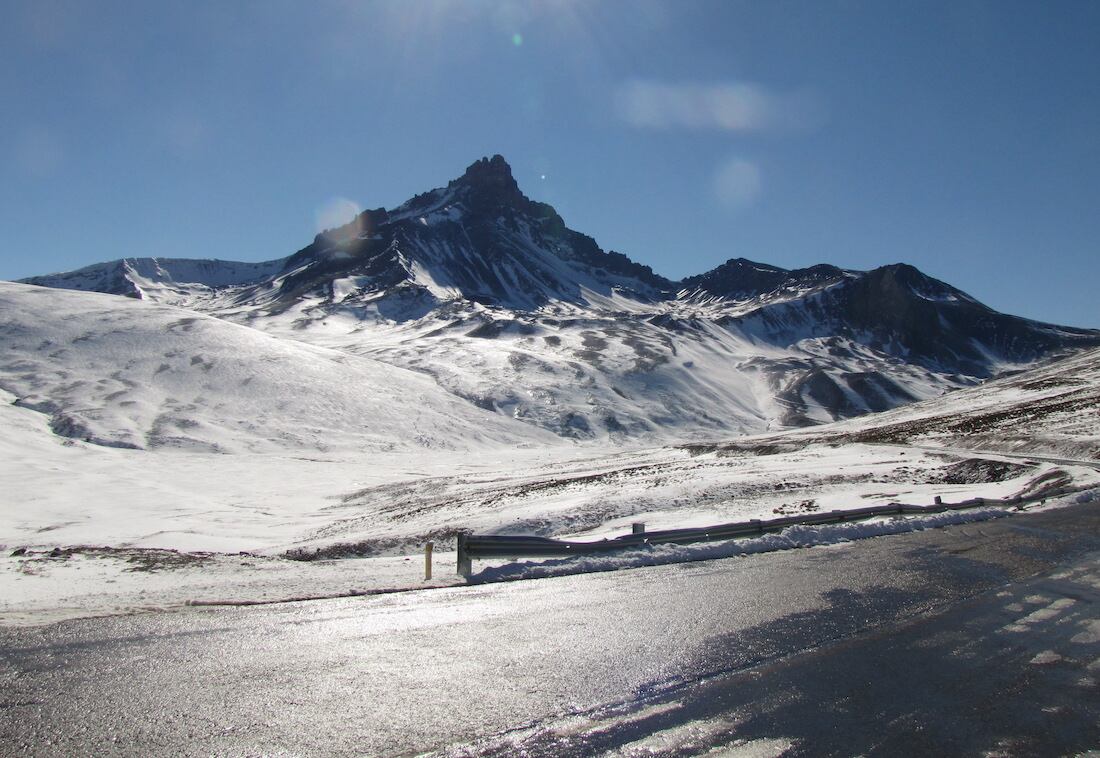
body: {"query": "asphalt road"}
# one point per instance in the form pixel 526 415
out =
pixel 983 638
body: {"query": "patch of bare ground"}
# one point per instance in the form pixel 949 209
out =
pixel 140 559
pixel 806 506
pixel 1022 415
pixel 371 548
pixel 729 449
pixel 978 471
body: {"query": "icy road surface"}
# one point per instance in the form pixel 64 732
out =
pixel 975 639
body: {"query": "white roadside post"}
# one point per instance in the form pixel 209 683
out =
pixel 428 546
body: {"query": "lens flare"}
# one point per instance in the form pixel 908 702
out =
pixel 335 213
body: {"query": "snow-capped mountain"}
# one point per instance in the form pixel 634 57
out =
pixel 479 240
pixel 492 295
pixel 160 279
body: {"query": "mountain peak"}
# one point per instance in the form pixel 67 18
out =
pixel 903 275
pixel 488 167
pixel 491 181
pixel 493 171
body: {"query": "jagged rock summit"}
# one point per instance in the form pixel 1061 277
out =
pixel 490 180
pixel 478 239
pixel 493 295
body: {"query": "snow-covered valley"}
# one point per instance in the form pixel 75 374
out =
pixel 205 431
pixel 107 512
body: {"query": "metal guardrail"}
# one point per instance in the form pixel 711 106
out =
pixel 472 546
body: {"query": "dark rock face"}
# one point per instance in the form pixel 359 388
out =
pixel 900 311
pixel 942 324
pixel 878 391
pixel 480 237
pixel 742 279
pixel 490 187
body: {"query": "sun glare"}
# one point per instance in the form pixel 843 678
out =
pixel 334 213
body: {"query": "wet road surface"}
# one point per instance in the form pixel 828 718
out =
pixel 975 638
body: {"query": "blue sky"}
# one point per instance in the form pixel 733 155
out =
pixel 962 137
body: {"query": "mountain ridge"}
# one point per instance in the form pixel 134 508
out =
pixel 504 305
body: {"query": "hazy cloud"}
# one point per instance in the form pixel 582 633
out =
pixel 731 106
pixel 737 183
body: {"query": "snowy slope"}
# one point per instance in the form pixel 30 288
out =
pixel 127 373
pixel 1052 410
pixel 164 280
pixel 623 376
pixel 62 491
pixel 113 516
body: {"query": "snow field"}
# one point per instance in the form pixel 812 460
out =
pixel 375 511
pixel 132 428
pixel 127 373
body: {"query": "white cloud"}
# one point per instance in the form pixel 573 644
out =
pixel 737 183
pixel 729 106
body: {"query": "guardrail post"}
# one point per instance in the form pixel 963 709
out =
pixel 638 527
pixel 428 559
pixel 465 563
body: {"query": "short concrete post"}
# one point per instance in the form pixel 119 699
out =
pixel 428 546
pixel 465 564
pixel 638 527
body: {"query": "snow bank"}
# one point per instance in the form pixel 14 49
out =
pixel 794 537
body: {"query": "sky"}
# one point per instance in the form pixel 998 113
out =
pixel 962 137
